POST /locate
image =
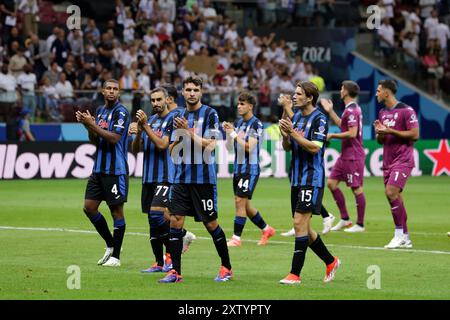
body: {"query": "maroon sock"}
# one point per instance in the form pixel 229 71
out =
pixel 397 213
pixel 360 208
pixel 404 219
pixel 340 201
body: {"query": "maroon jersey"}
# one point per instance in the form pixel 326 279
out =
pixel 352 149
pixel 397 151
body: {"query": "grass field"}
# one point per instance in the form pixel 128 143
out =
pixel 33 262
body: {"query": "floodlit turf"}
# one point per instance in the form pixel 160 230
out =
pixel 33 263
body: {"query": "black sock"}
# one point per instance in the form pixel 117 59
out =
pixel 321 251
pixel 119 232
pixel 183 232
pixel 324 213
pixel 101 226
pixel 157 246
pixel 164 235
pixel 239 223
pixel 298 259
pixel 176 246
pixel 258 221
pixel 220 241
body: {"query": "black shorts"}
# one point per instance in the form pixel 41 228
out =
pixel 105 187
pixel 244 184
pixel 195 200
pixel 155 195
pixel 306 199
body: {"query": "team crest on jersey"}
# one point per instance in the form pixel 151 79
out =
pixel 103 124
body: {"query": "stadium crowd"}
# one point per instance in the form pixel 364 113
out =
pixel 415 34
pixel 147 44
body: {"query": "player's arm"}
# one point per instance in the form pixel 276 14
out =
pixel 161 143
pixel 229 140
pixel 136 145
pixel 285 101
pixel 327 105
pixel 119 119
pixel 286 142
pixel 319 133
pixel 412 134
pixel 351 133
pixel 109 136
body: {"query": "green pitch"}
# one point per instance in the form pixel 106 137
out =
pixel 34 262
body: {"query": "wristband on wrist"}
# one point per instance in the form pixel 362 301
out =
pixel 233 135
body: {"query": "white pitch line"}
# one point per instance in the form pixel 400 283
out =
pixel 254 241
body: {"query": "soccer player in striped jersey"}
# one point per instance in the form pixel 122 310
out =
pixel 194 191
pixel 305 136
pixel 350 165
pixel 288 112
pixel 153 138
pixel 108 130
pixel 245 135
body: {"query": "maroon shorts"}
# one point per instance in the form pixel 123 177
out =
pixel 350 171
pixel 397 176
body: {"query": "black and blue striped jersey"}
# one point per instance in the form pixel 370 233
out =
pixel 247 162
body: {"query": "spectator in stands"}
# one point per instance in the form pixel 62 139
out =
pixel 53 73
pixel 169 59
pixel 434 71
pixel 14 37
pixel 442 32
pixel 17 62
pixel 386 36
pixel 105 51
pixel 51 97
pixel 426 7
pixel 168 8
pixel 8 94
pixel 151 38
pixel 411 48
pixel 430 25
pixel 30 10
pixel 64 88
pixel 76 43
pixel 145 88
pixel 127 84
pixel 39 55
pixel 304 11
pixel 8 14
pixel 61 48
pixel 165 26
pixel 128 27
pixel 209 13
pixel 23 124
pixel 27 84
pixel 318 80
pixel 71 76
pixel 91 28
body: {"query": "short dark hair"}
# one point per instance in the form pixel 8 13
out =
pixel 171 91
pixel 351 87
pixel 246 96
pixel 195 80
pixel 159 89
pixel 110 80
pixel 389 84
pixel 310 89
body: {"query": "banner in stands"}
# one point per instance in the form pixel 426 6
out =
pixel 59 160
